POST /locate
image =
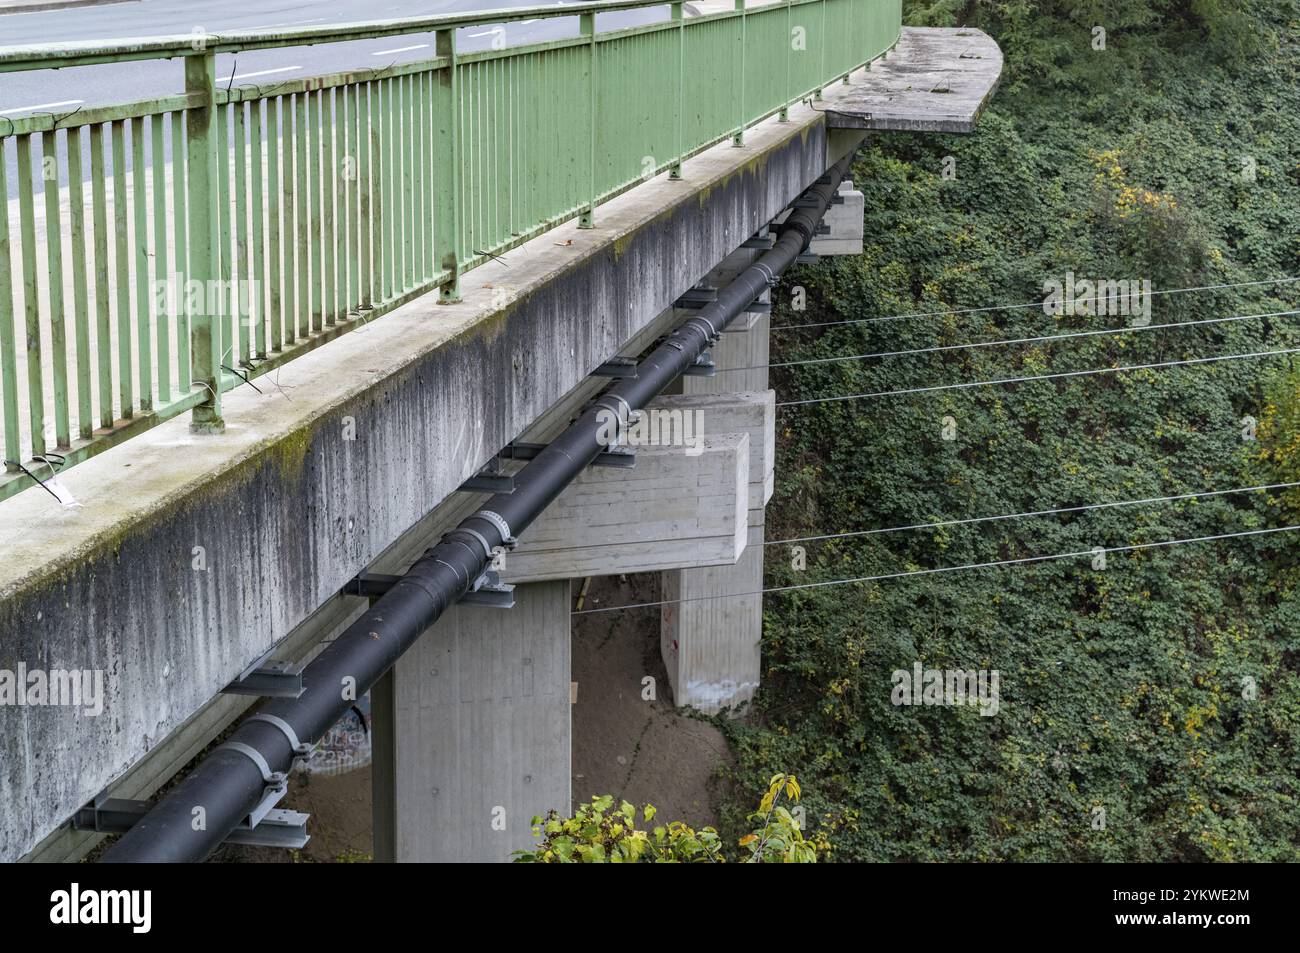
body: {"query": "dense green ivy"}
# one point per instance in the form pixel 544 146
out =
pixel 1163 689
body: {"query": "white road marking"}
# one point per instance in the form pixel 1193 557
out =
pixel 400 49
pixel 475 36
pixel 26 109
pixel 264 72
pixel 534 20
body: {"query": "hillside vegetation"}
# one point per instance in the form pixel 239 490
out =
pixel 1148 710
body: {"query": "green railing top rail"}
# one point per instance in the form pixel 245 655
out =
pixel 36 56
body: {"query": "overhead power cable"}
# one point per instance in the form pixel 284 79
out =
pixel 1136 329
pixel 1038 377
pixel 1026 304
pixel 1053 512
pixel 1135 547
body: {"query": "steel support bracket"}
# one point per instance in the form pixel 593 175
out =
pixel 764 242
pixel 371 585
pixel 116 815
pixel 696 298
pixel 268 680
pixel 489 480
pixel 703 367
pixel 807 258
pixel 620 367
pixel 488 590
pixel 621 457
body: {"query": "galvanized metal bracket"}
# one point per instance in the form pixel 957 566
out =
pixel 116 815
pixel 696 298
pixel 807 258
pixel 764 242
pixel 703 367
pixel 489 480
pixel 621 457
pixel 268 680
pixel 371 585
pixel 620 367
pixel 488 590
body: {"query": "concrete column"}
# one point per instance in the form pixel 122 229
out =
pixel 711 646
pixel 481 730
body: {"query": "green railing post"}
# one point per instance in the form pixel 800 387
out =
pixel 738 137
pixel 675 170
pixel 448 236
pixel 587 28
pixel 201 200
pixel 8 340
pixel 784 115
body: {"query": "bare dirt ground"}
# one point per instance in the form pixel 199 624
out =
pixel 634 748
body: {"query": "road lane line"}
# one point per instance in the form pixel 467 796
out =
pixel 26 109
pixel 264 72
pixel 400 49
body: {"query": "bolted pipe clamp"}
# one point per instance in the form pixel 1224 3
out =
pixel 300 750
pixel 497 520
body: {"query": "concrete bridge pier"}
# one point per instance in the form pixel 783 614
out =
pixel 472 732
pixel 710 645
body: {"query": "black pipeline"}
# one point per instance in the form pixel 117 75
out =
pixel 198 814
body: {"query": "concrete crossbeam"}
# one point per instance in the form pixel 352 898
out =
pixel 751 413
pixel 676 508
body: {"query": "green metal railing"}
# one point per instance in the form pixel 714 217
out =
pixel 229 229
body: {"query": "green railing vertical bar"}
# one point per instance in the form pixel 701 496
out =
pixel 787 92
pixel 342 171
pixel 180 249
pixel 738 137
pixel 447 168
pixel 353 136
pixel 201 202
pixel 329 189
pixel 383 155
pixel 275 266
pixel 140 239
pixel 679 17
pixel 302 225
pixel 31 300
pixel 8 338
pixel 162 300
pixel 288 230
pixel 392 188
pixel 407 137
pixel 121 259
pixel 54 290
pixel 587 28
pixel 80 285
pixel 240 299
pixel 316 283
pixel 226 316
pixel 103 313
pixel 425 268
pixel 412 192
pixel 365 196
pixel 257 272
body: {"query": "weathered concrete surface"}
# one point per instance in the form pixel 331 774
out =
pixel 676 508
pixel 194 555
pixel 936 79
pixel 482 729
